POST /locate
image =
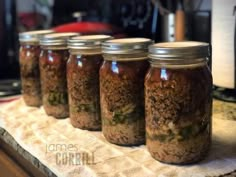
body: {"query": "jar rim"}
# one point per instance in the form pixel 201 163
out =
pixel 87 41
pixel 33 36
pixel 55 39
pixel 179 50
pixel 126 45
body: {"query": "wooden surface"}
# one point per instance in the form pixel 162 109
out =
pixel 9 168
pixel 12 164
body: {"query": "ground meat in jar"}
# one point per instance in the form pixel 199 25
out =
pixel 53 81
pixel 83 91
pixel 178 108
pixel 30 77
pixel 122 101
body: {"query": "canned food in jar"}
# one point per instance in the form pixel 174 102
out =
pixel 122 90
pixel 53 59
pixel 178 102
pixel 29 66
pixel 83 80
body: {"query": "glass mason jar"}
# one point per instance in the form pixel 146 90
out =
pixel 122 90
pixel 83 80
pixel 29 66
pixel 53 58
pixel 178 102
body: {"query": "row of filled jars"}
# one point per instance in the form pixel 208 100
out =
pixel 110 84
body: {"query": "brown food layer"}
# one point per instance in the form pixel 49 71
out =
pixel 180 152
pixel 85 121
pixel 32 100
pixel 30 77
pixel 122 101
pixel 125 134
pixel 178 106
pixel 83 91
pixel 59 111
pixel 53 81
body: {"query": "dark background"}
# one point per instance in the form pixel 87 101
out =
pixel 134 18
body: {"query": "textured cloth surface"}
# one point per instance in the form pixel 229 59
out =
pixel 67 151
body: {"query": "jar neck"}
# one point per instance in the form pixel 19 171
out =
pixel 91 51
pixel 126 57
pixel 56 47
pixel 178 63
pixel 29 43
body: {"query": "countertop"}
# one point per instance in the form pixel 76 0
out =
pixel 224 110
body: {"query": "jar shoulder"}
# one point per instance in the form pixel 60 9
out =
pixel 157 74
pixel 129 68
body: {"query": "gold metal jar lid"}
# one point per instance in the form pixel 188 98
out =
pixel 33 36
pixel 87 41
pixel 179 50
pixel 56 39
pixel 126 46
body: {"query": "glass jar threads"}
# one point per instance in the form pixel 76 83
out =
pixel 83 80
pixel 29 66
pixel 53 60
pixel 122 90
pixel 178 102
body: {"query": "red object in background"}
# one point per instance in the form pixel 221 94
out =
pixel 28 20
pixel 90 28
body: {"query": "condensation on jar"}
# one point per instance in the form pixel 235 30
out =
pixel 29 66
pixel 53 59
pixel 83 80
pixel 122 90
pixel 178 102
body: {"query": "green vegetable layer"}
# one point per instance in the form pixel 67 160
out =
pixel 56 98
pixel 183 134
pixel 90 108
pixel 127 115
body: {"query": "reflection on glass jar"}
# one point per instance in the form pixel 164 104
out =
pixel 122 90
pixel 178 102
pixel 53 59
pixel 83 81
pixel 29 66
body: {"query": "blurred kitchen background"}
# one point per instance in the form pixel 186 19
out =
pixel 160 20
